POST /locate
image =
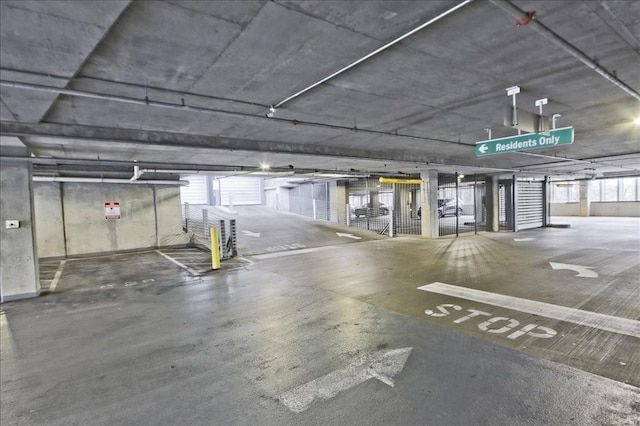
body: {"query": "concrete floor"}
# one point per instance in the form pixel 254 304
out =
pixel 318 334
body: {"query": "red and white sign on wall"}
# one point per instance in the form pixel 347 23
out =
pixel 111 210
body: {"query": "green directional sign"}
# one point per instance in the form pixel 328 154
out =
pixel 526 142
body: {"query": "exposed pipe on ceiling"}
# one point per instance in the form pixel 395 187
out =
pixel 518 13
pixel 138 172
pixel 560 160
pixel 181 107
pixel 375 52
pixel 51 161
pixel 145 87
pixel 114 98
pixel 107 180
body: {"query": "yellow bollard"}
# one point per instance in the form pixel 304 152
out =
pixel 215 248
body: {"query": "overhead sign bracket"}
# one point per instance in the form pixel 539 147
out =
pixel 513 91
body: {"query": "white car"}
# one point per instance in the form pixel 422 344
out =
pixel 446 207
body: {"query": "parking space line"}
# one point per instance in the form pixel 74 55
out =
pixel 619 325
pixel 292 252
pixel 185 267
pixel 56 277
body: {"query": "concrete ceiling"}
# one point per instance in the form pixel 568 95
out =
pixel 90 86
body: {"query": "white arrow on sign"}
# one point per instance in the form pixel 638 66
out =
pixel 483 148
pixel 348 236
pixel 523 239
pixel 583 271
pixel 251 234
pixel 381 365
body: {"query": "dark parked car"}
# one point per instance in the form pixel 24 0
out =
pixel 369 211
pixel 446 207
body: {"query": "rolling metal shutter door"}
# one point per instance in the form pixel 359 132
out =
pixel 195 192
pixel 530 205
pixel 241 191
pixel 321 198
pixel 301 200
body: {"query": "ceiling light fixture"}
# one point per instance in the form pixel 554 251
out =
pixel 637 121
pixel 272 112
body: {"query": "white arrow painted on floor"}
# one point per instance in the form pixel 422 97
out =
pixel 251 234
pixel 583 271
pixel 348 236
pixel 382 365
pixel 523 239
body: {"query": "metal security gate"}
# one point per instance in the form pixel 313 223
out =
pixel 406 202
pixel 506 205
pixel 380 206
pixel 370 203
pixel 311 199
pixel 301 200
pixel 461 204
pixel 448 209
pixel 529 204
pixel 321 201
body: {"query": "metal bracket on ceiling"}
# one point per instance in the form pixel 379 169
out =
pixel 513 91
pixel 543 125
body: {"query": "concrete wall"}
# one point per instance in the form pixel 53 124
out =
pixel 623 208
pixel 620 208
pixel 82 219
pixel 49 219
pixel 18 263
pixel 169 216
pixel 565 209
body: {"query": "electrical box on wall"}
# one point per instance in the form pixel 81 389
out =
pixel 9 224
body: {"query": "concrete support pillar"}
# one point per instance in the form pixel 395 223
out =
pixel 339 202
pixel 585 202
pixel 19 277
pixel 374 199
pixel 429 204
pixel 492 204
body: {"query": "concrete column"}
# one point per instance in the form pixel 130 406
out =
pixel 585 202
pixel 492 204
pixel 429 204
pixel 341 200
pixel 19 277
pixel 374 199
pixel 335 205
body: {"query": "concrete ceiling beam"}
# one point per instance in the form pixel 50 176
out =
pixel 178 140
